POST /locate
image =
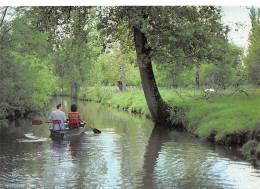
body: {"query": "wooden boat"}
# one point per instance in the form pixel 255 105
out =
pixel 67 133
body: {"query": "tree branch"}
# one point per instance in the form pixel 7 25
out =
pixel 3 17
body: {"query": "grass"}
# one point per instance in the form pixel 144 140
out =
pixel 134 102
pixel 224 115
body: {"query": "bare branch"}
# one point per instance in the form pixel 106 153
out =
pixel 3 16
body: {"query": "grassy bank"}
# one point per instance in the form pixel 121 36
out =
pixel 226 117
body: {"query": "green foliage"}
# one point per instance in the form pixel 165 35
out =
pixel 167 79
pixel 217 77
pixel 252 59
pixel 26 82
pixel 249 149
pixel 74 41
pixel 108 69
pixel 37 80
pixel 27 40
pixel 191 35
pixel 97 94
pixel 73 62
pixel 178 116
pixel 182 38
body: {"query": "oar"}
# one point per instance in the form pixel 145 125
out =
pixel 39 122
pixel 93 129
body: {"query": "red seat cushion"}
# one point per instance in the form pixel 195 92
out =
pixel 73 120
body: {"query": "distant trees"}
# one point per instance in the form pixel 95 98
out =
pixel 108 67
pixel 252 59
pixel 75 42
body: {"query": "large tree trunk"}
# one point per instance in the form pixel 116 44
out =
pixel 158 108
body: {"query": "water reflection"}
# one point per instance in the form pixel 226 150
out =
pixel 157 138
pixel 129 153
pixel 178 160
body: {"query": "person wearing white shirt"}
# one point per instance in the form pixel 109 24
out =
pixel 58 115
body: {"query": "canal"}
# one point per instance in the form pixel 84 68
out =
pixel 129 153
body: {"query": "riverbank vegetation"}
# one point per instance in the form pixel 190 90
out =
pixel 228 117
pixel 178 68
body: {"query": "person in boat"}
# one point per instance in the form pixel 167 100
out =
pixel 75 120
pixel 58 118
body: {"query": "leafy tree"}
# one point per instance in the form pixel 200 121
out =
pixel 161 34
pixel 252 59
pixel 26 83
pixel 196 41
pixel 72 32
pixel 223 73
pixel 181 35
pixel 109 69
pixel 121 40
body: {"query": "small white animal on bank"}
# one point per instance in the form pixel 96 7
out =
pixel 209 90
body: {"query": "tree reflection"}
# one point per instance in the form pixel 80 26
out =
pixel 158 137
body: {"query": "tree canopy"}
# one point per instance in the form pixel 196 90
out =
pixel 67 48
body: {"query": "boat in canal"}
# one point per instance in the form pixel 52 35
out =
pixel 67 133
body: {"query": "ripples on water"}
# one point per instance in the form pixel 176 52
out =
pixel 128 153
